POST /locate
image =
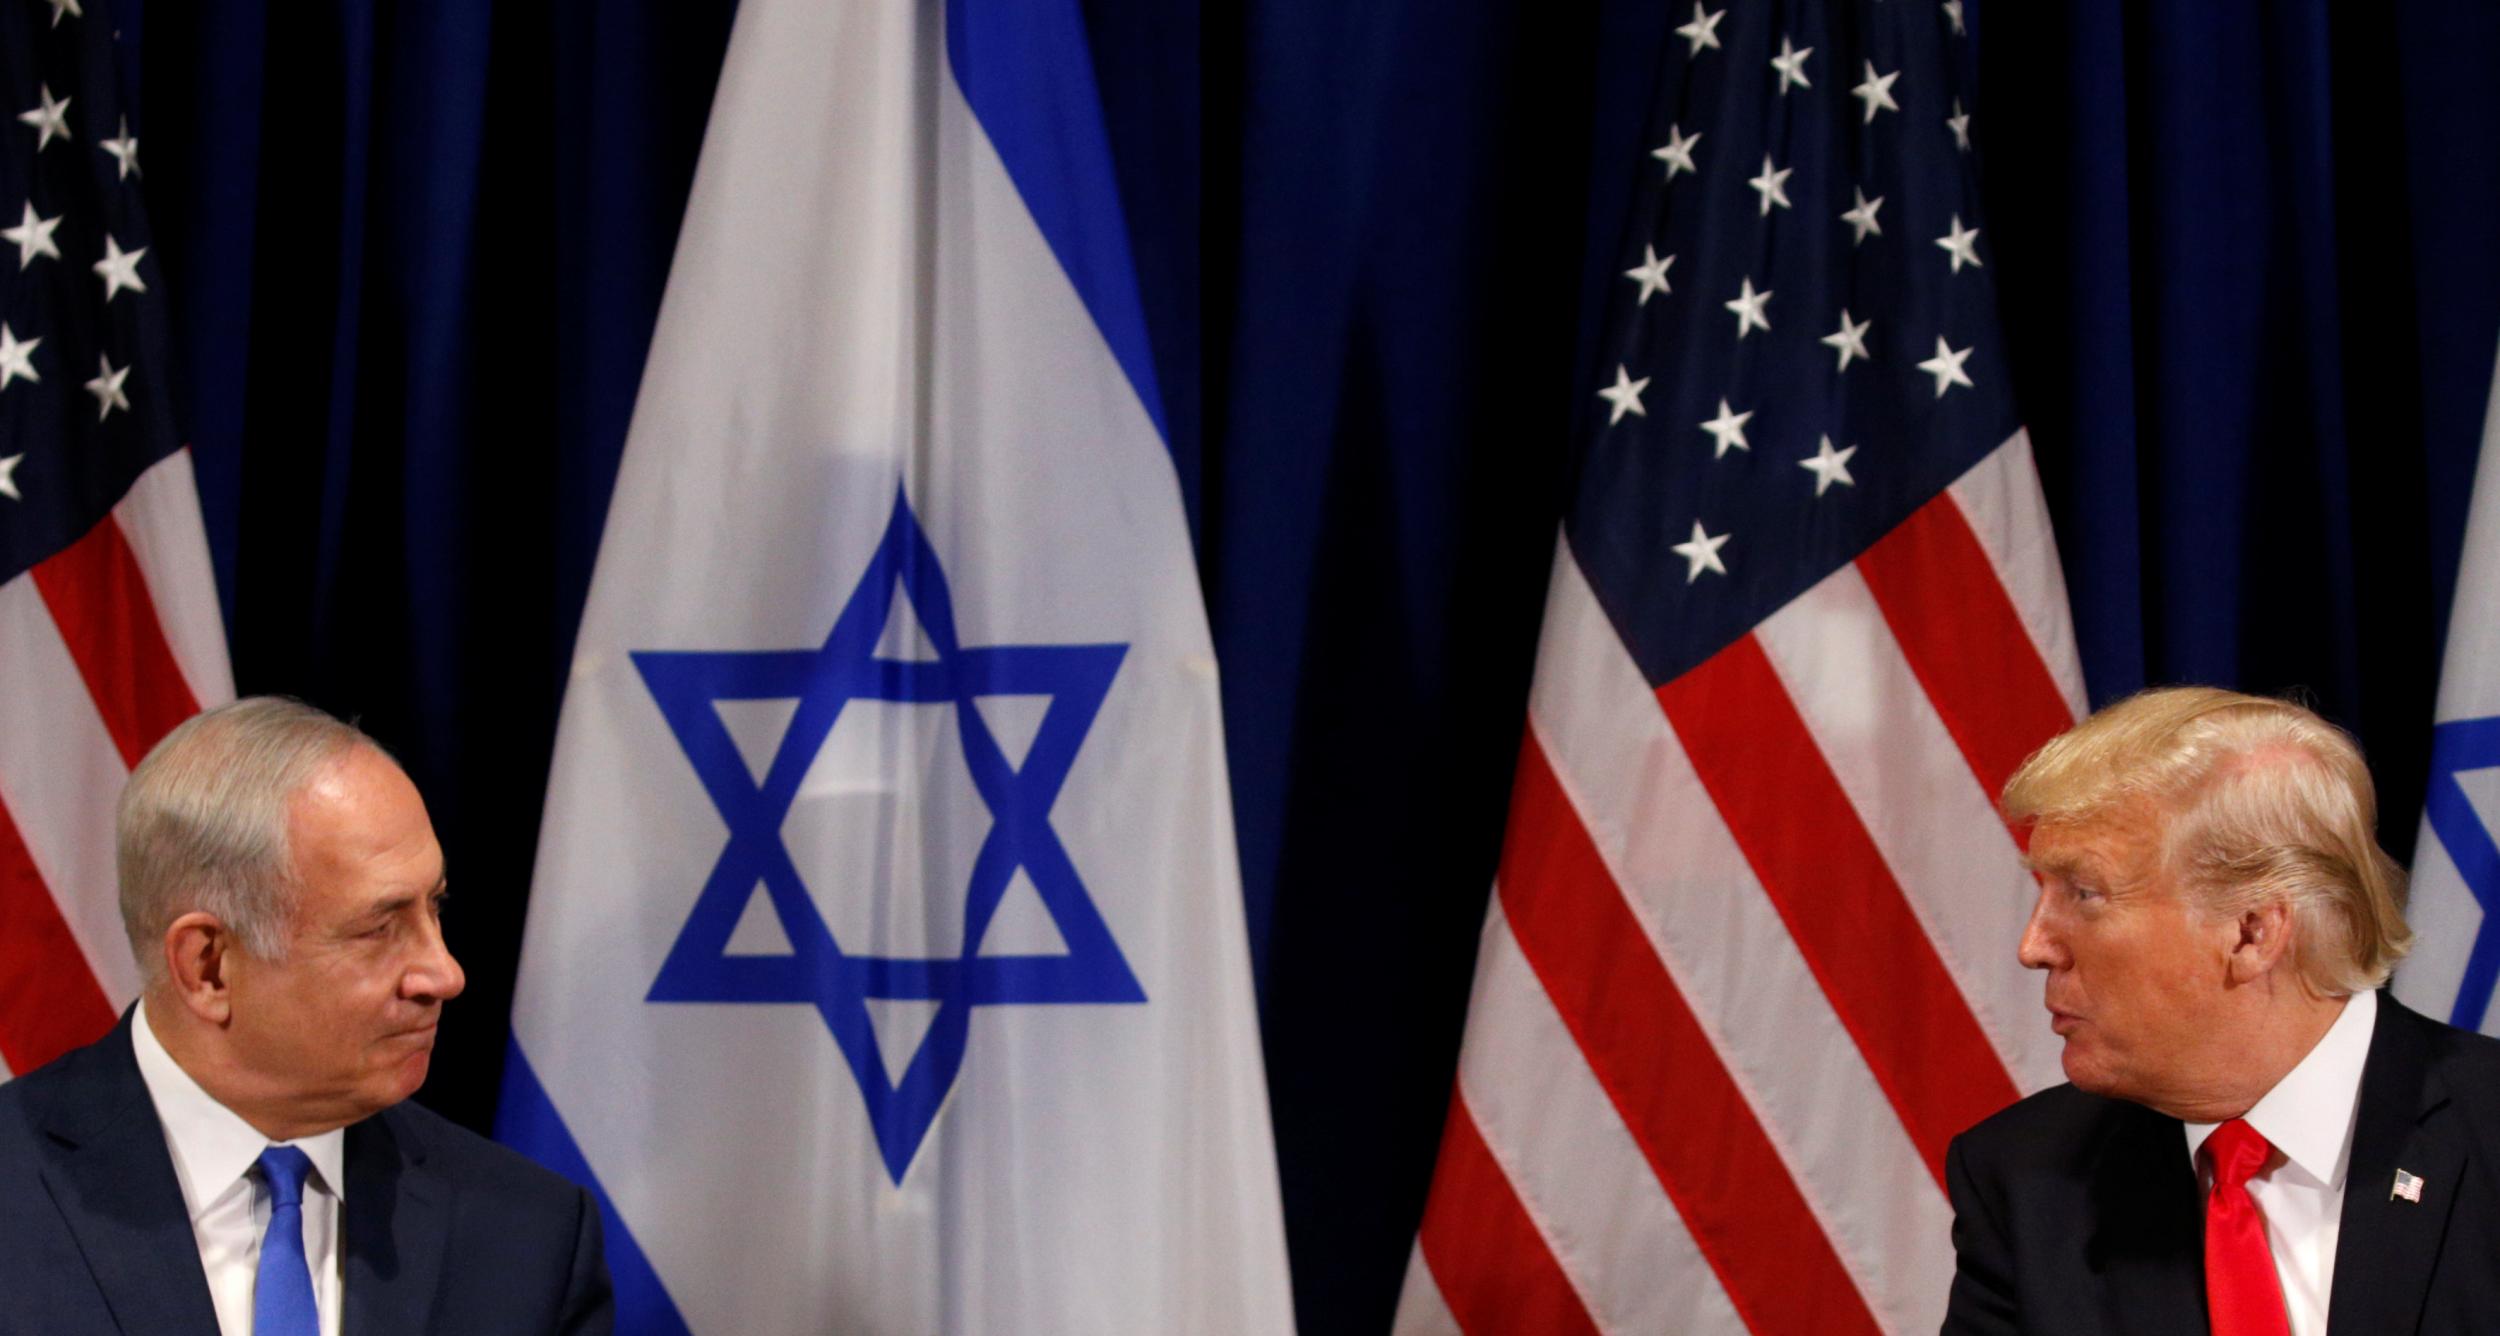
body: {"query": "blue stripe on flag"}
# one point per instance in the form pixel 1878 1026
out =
pixel 527 1121
pixel 1025 69
pixel 2460 745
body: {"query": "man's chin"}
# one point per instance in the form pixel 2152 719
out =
pixel 2085 1069
pixel 405 1076
pixel 2093 1074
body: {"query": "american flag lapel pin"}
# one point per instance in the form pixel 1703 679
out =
pixel 2408 1186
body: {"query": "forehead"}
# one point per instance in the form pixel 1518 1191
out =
pixel 2123 842
pixel 359 826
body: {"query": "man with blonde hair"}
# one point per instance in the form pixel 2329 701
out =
pixel 236 1158
pixel 2253 1139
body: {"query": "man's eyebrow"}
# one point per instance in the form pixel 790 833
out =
pixel 2064 866
pixel 373 916
pixel 392 905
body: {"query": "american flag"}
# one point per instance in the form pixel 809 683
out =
pixel 2408 1186
pixel 1749 964
pixel 109 632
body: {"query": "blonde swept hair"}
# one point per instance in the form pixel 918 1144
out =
pixel 2259 799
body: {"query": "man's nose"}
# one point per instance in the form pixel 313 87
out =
pixel 436 976
pixel 2041 947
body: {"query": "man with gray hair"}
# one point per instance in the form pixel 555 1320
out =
pixel 2253 1138
pixel 236 1158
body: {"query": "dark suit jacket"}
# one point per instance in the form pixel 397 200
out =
pixel 445 1231
pixel 2074 1213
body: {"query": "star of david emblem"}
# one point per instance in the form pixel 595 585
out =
pixel 2456 747
pixel 817 970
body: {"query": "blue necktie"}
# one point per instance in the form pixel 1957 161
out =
pixel 282 1296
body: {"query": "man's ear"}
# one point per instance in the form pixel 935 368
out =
pixel 198 952
pixel 2264 944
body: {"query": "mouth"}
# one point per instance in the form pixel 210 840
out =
pixel 2063 1022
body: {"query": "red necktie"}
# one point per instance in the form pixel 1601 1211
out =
pixel 2241 1288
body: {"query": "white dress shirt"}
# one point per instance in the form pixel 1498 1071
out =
pixel 216 1155
pixel 2308 1117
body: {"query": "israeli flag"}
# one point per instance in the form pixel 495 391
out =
pixel 2456 864
pixel 886 969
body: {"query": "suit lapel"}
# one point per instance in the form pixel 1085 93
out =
pixel 398 1214
pixel 2387 1245
pixel 112 1179
pixel 2149 1244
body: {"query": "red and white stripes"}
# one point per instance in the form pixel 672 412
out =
pixel 1750 961
pixel 103 648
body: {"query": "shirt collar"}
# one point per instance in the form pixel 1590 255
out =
pixel 213 1147
pixel 2308 1115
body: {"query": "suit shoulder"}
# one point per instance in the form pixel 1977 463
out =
pixel 2468 1067
pixel 478 1164
pixel 19 1099
pixel 33 1100
pixel 2464 1064
pixel 2463 1052
pixel 2055 1126
pixel 22 1104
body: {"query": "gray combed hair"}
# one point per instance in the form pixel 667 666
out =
pixel 202 825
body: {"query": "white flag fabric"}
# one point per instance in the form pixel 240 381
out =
pixel 2456 866
pixel 110 635
pixel 1749 965
pixel 886 968
pixel 106 645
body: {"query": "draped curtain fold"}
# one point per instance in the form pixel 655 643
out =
pixel 417 249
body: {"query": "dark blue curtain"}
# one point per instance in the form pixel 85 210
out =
pixel 1392 278
pixel 416 251
pixel 2253 290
